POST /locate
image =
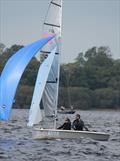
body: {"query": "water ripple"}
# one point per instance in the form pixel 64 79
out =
pixel 17 144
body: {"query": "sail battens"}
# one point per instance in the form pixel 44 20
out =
pixel 49 24
pixel 56 4
pixel 51 81
pixel 47 52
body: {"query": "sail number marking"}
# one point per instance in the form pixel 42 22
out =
pixel 53 133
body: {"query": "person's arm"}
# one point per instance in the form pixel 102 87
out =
pixel 74 125
pixel 84 126
pixel 61 126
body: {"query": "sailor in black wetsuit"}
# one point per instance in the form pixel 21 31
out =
pixel 78 124
pixel 66 125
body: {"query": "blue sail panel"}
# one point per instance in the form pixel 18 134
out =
pixel 12 73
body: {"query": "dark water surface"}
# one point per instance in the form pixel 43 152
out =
pixel 16 143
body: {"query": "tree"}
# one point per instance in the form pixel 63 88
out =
pixel 2 47
pixel 114 82
pixel 92 81
pixel 80 60
pixel 8 52
pixel 98 67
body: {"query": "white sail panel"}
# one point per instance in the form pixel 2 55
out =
pixel 49 98
pixel 52 24
pixel 35 113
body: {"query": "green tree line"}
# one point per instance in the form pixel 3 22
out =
pixel 92 81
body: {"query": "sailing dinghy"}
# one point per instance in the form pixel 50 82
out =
pixel 43 107
pixel 68 134
pixel 49 93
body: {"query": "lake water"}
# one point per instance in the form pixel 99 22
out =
pixel 17 144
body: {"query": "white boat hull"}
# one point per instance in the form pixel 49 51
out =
pixel 68 134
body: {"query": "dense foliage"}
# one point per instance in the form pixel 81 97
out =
pixel 92 81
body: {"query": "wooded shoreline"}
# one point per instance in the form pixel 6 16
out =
pixel 92 81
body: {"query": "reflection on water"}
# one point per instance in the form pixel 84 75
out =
pixel 16 143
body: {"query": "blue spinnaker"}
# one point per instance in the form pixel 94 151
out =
pixel 12 73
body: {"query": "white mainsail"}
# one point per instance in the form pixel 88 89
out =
pixel 52 25
pixel 49 95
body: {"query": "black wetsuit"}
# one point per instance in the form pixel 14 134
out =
pixel 78 125
pixel 65 126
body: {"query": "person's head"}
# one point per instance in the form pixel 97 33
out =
pixel 67 119
pixel 77 116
